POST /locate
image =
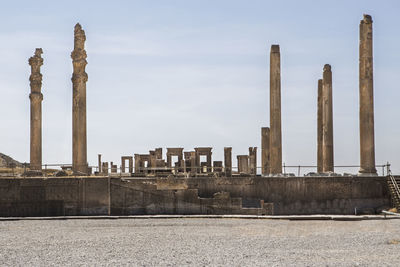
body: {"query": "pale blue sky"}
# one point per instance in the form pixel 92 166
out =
pixel 195 73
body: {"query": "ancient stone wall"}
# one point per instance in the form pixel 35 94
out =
pixel 195 195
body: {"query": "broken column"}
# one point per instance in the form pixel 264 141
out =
pixel 79 79
pixel 36 98
pixel 327 120
pixel 99 162
pixel 243 164
pixel 275 111
pixel 319 127
pixel 265 133
pixel 253 160
pixel 104 168
pixel 228 161
pixel 367 142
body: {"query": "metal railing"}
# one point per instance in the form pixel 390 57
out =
pixel 383 169
pixel 52 170
pixel 395 186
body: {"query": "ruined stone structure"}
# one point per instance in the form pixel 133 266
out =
pixel 190 162
pixel 217 167
pixel 191 185
pixel 327 120
pixel 228 161
pixel 99 163
pixel 104 168
pixel 275 111
pixel 130 164
pixel 243 164
pixel 367 138
pixel 178 151
pixel 36 98
pixel 319 128
pixel 253 160
pixel 265 164
pixel 203 166
pixel 79 79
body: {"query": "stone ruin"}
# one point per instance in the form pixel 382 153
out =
pixel 181 163
pixel 190 162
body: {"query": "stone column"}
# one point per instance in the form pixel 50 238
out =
pixel 79 79
pixel 253 160
pixel 327 120
pixel 130 165
pixel 123 164
pixel 243 164
pixel 228 161
pixel 137 164
pixel 36 98
pixel 319 128
pixel 265 165
pixel 104 168
pixel 99 162
pixel 367 142
pixel 275 111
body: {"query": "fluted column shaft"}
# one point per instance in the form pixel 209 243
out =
pixel 327 120
pixel 319 127
pixel 79 79
pixel 367 138
pixel 275 111
pixel 36 98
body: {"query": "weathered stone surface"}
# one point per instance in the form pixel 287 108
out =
pixel 104 168
pixel 243 164
pixel 228 161
pixel 203 151
pixel 79 79
pixel 130 163
pixel 327 120
pixel 275 111
pixel 36 98
pixel 99 163
pixel 265 159
pixel 367 135
pixel 194 195
pixel 319 127
pixel 177 151
pixel 253 160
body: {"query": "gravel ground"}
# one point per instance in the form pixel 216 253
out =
pixel 200 242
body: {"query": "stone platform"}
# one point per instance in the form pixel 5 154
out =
pixel 257 195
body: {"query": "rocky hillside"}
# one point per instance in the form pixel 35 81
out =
pixel 6 161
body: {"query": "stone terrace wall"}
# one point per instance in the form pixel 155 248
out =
pixel 304 195
pixel 196 195
pixel 53 196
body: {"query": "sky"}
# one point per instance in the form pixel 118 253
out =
pixel 184 73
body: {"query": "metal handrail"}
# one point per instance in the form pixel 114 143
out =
pixel 395 185
pixel 297 168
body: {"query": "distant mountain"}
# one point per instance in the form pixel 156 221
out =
pixel 6 161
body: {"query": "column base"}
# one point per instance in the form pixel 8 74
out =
pixel 363 172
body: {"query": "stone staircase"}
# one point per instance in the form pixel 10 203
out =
pixel 394 188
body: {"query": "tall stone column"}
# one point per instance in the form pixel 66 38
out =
pixel 367 142
pixel 79 79
pixel 319 128
pixel 228 161
pixel 36 98
pixel 327 120
pixel 275 111
pixel 265 165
